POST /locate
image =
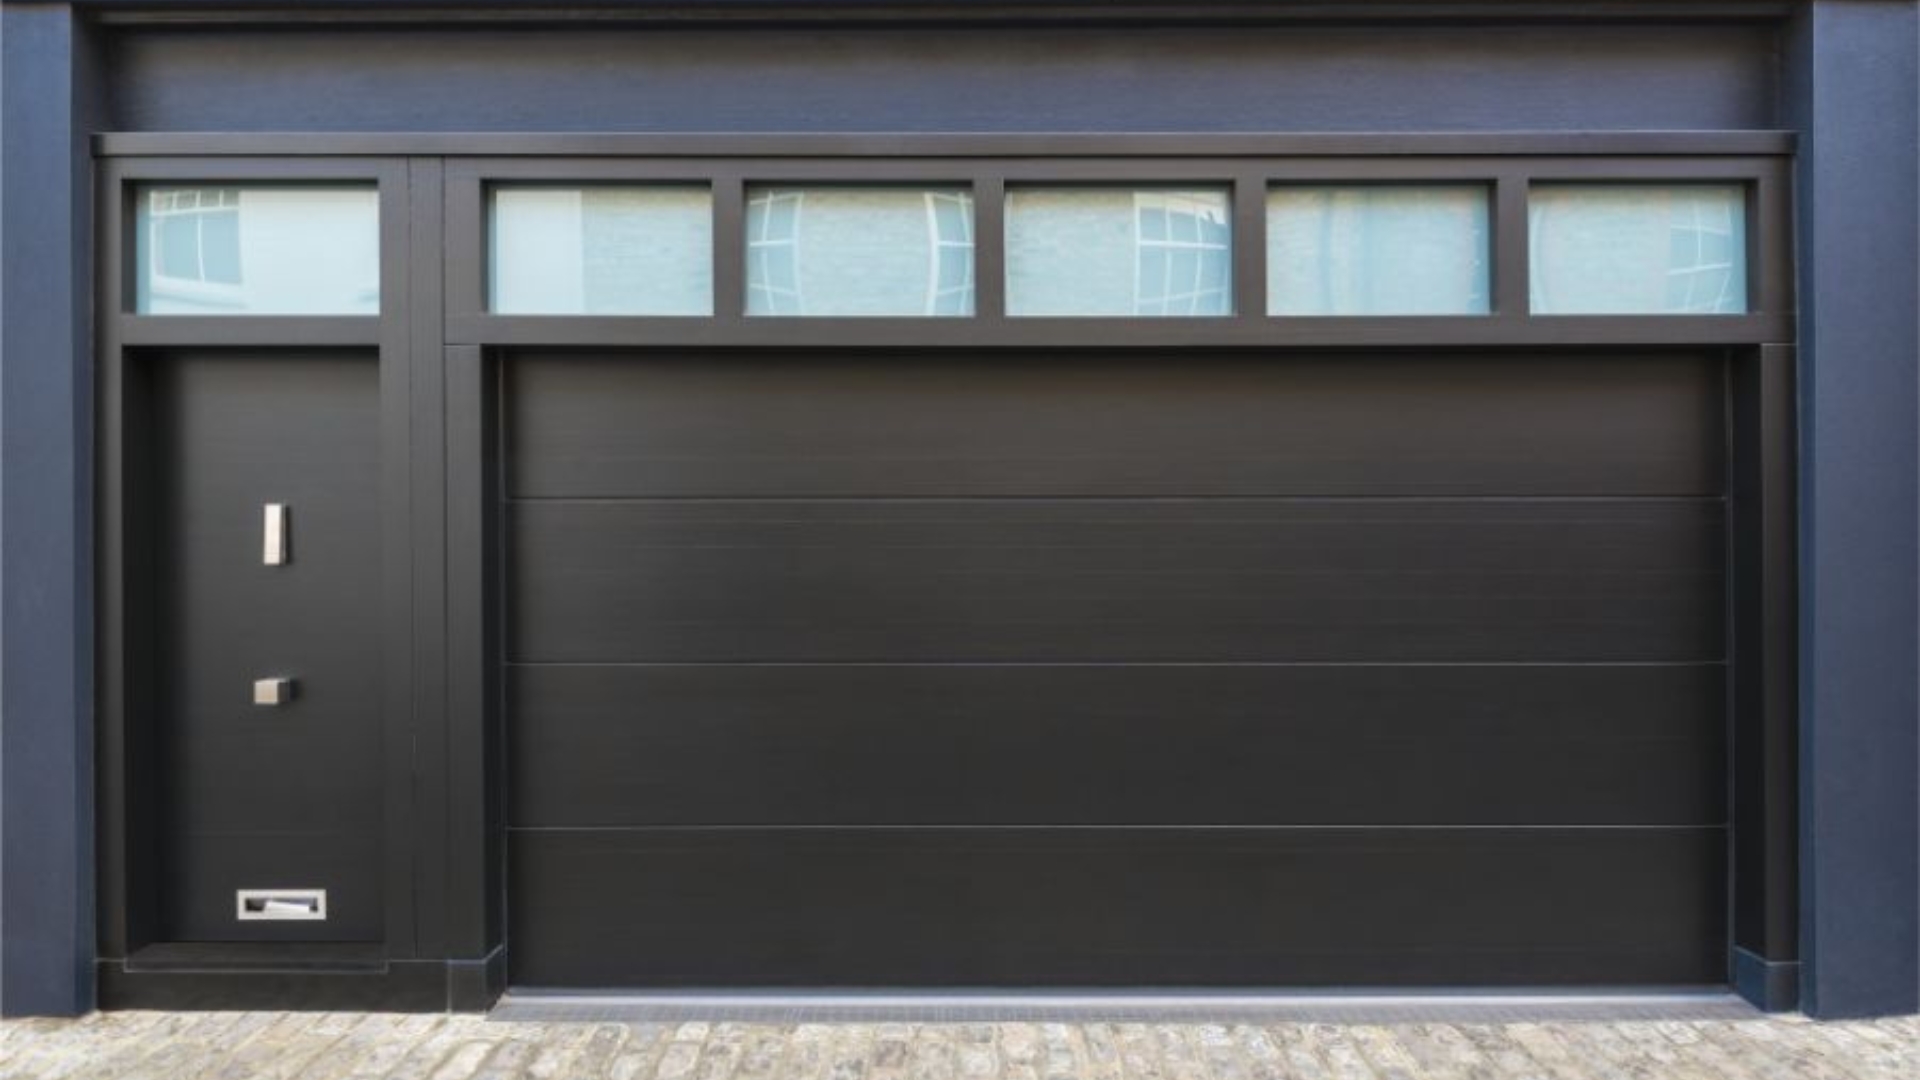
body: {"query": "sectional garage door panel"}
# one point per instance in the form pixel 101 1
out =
pixel 1117 580
pixel 969 907
pixel 1077 669
pixel 795 424
pixel 1096 744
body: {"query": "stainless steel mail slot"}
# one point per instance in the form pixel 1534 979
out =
pixel 280 905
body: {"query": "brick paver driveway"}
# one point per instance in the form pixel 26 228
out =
pixel 233 1046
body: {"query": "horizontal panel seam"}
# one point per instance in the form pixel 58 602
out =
pixel 1705 498
pixel 1113 827
pixel 1152 663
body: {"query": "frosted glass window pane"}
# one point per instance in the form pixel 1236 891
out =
pixel 1377 250
pixel 281 250
pixel 859 251
pixel 600 250
pixel 1119 251
pixel 1638 249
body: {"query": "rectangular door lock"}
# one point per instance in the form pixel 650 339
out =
pixel 275 691
pixel 273 548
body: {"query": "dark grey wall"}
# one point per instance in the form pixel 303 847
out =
pixel 1853 95
pixel 1300 78
pixel 46 594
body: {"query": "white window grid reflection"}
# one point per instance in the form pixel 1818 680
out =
pixel 194 244
pixel 775 278
pixel 1183 246
pixel 773 253
pixel 950 253
pixel 1702 275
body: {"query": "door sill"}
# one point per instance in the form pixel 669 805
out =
pixel 1131 1006
pixel 352 957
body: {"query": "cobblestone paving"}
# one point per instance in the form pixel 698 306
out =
pixel 332 1046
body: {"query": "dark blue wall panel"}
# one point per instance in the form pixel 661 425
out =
pixel 46 596
pixel 1028 78
pixel 1853 94
pixel 1846 78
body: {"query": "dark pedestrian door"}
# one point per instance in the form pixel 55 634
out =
pixel 265 629
pixel 1078 668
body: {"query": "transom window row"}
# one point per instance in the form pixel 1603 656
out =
pixel 827 250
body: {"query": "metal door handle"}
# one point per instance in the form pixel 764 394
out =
pixel 274 691
pixel 273 549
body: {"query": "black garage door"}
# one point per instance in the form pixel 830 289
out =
pixel 1115 669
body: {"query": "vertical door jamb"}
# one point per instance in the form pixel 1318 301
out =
pixel 1763 690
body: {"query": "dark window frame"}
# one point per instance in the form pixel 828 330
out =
pixel 1508 177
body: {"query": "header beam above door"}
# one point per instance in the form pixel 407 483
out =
pixel 957 144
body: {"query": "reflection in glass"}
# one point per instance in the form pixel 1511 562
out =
pixel 1638 249
pixel 280 250
pixel 859 251
pixel 1116 251
pixel 600 250
pixel 1377 250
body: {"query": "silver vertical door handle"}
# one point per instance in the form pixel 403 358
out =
pixel 273 549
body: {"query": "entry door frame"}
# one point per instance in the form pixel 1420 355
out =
pixel 127 911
